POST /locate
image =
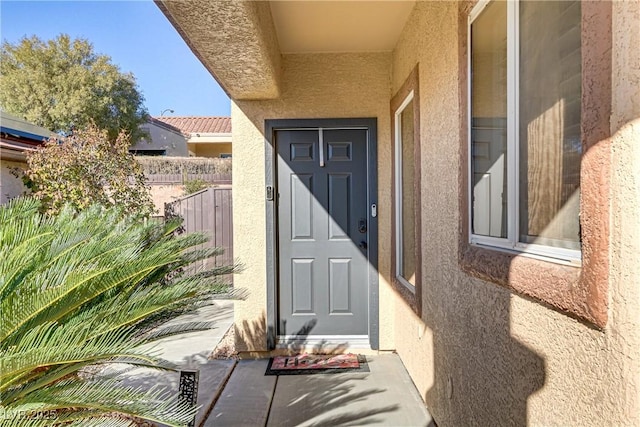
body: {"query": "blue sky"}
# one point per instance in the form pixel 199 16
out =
pixel 137 37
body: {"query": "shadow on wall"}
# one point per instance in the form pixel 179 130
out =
pixel 478 366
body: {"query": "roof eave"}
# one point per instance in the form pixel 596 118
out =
pixel 235 41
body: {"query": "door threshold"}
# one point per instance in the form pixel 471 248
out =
pixel 323 343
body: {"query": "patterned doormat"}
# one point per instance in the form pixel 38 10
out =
pixel 309 364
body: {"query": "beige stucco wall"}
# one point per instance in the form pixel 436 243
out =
pixel 626 63
pixel 313 86
pixel 210 150
pixel 487 356
pixel 161 194
pixel 480 355
pixel 10 186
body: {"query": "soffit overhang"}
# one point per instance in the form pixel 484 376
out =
pixel 339 26
pixel 241 42
pixel 235 40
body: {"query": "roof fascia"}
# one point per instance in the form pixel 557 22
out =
pixel 235 40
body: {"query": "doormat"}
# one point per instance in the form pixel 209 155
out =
pixel 309 364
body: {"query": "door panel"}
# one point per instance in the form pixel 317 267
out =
pixel 322 232
pixel 340 286
pixel 339 206
pixel 302 292
pixel 301 206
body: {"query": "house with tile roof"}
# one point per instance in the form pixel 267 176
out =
pixel 161 139
pixel 17 137
pixel 206 136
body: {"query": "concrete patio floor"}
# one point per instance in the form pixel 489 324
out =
pixel 385 396
pixel 237 393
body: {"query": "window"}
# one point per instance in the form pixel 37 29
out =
pixel 525 93
pixel 524 114
pixel 406 247
pixel 405 180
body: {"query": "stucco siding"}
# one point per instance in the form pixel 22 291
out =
pixel 482 355
pixel 625 265
pixel 479 354
pixel 10 185
pixel 161 194
pixel 170 143
pixel 313 86
pixel 210 150
pixel 436 55
pixel 626 59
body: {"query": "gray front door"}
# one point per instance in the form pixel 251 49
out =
pixel 323 232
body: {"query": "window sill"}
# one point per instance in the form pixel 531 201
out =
pixel 562 287
pixel 540 255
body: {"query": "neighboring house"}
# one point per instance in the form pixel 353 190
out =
pixel 206 136
pixel 468 199
pixel 17 137
pixel 182 137
pixel 162 140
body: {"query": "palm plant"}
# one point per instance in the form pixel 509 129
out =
pixel 81 290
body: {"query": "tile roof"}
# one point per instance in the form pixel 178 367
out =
pixel 193 124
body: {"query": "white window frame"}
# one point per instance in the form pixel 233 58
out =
pixel 397 141
pixel 511 243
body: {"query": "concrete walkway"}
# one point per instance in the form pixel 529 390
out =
pixel 238 394
pixel 385 396
pixel 191 351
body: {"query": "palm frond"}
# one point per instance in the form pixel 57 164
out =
pixel 107 397
pixel 82 290
pixel 178 329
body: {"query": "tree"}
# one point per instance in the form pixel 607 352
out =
pixel 86 168
pixel 82 290
pixel 62 84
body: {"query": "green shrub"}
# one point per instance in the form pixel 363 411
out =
pixel 194 185
pixel 83 289
pixel 85 169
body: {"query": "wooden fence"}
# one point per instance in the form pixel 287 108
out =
pixel 208 211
